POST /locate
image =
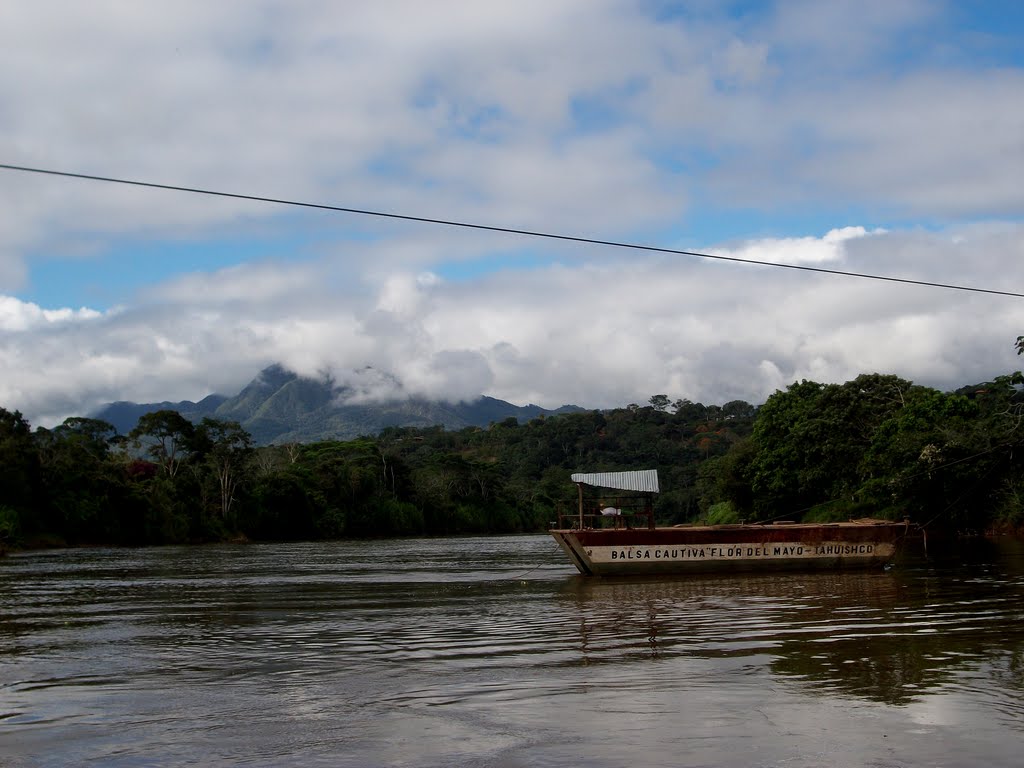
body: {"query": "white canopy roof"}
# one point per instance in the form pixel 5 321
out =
pixel 644 480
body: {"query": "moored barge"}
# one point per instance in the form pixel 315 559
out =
pixel 616 535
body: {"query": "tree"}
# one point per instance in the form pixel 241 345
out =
pixel 19 472
pixel 90 436
pixel 226 446
pixel 167 436
pixel 728 478
pixel 738 409
pixel 912 466
pixel 660 402
pixel 79 480
pixel 690 412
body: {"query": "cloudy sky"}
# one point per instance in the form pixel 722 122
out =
pixel 882 137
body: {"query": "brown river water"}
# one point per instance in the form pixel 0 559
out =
pixel 491 652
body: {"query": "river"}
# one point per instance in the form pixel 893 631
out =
pixel 491 652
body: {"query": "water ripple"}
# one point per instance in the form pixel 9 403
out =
pixel 195 640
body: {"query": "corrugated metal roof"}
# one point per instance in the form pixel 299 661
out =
pixel 644 480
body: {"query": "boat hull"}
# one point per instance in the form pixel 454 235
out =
pixel 609 552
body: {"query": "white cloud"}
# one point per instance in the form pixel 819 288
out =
pixel 18 315
pixel 597 336
pixel 799 250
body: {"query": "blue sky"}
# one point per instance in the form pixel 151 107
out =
pixel 879 137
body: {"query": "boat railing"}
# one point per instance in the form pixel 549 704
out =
pixel 609 512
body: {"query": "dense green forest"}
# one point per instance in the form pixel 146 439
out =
pixel 876 446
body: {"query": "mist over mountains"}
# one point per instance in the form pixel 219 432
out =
pixel 279 406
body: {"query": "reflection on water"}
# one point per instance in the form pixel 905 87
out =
pixel 886 636
pixel 491 651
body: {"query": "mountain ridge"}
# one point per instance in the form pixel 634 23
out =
pixel 280 406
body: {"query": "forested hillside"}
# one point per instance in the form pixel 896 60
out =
pixel 877 445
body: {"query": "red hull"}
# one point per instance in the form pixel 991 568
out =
pixel 860 544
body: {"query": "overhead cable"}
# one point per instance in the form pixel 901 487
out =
pixel 504 230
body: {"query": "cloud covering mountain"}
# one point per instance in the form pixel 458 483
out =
pixel 279 406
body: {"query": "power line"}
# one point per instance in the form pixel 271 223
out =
pixel 505 230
